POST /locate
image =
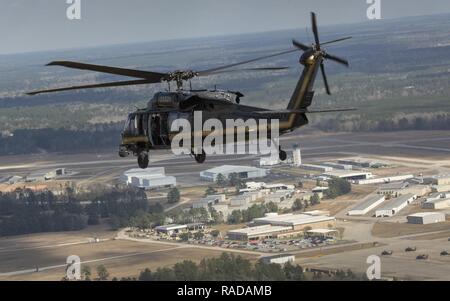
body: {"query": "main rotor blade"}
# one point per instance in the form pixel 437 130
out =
pixel 251 69
pixel 304 111
pixel 336 59
pixel 148 75
pixel 325 80
pixel 315 30
pixel 104 85
pixel 300 45
pixel 214 70
pixel 338 40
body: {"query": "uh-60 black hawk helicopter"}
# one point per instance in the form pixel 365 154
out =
pixel 150 128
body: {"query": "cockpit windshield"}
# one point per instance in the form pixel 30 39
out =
pixel 134 126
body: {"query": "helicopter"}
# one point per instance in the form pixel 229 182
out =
pixel 150 128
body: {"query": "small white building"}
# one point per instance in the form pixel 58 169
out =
pixel 269 161
pixel 394 206
pixel 425 218
pixel 278 259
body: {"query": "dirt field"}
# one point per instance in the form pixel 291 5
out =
pixel 387 230
pixel 21 255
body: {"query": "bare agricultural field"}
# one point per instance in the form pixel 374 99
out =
pixel 388 230
pixel 122 259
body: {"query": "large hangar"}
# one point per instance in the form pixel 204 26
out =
pixel 150 178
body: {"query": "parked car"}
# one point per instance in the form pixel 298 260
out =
pixel 422 257
pixel 387 252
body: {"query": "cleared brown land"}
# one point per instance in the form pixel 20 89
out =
pixel 387 230
pixel 348 248
pixel 121 258
pixel 432 236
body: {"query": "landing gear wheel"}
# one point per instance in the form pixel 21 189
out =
pixel 143 160
pixel 200 158
pixel 282 155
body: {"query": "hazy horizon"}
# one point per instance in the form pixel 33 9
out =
pixel 23 28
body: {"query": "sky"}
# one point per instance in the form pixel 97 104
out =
pixel 36 25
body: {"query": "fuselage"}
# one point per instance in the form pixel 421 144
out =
pixel 152 128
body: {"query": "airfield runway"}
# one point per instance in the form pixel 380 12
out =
pixel 414 149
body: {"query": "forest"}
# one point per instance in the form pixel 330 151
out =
pixel 25 211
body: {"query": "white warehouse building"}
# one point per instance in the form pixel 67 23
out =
pixel 394 206
pixel 425 218
pixel 150 178
pixel 243 172
pixel 367 204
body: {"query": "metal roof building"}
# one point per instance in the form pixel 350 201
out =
pixel 438 203
pixel 243 172
pixel 425 218
pixel 258 232
pixel 296 221
pixel 394 206
pixel 348 175
pixel 278 259
pixel 367 204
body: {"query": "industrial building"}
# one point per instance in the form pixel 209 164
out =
pixel 150 178
pixel 243 172
pixel 258 232
pixel 392 189
pixel 443 179
pixel 356 163
pixel 295 221
pixel 440 183
pixel 209 201
pixel 337 165
pixel 394 206
pixel 315 167
pixel 322 233
pixel 419 190
pixel 349 175
pixel 278 259
pixel 384 180
pixel 437 204
pixel 171 229
pixel 45 175
pixel 269 161
pixel 367 204
pixel 425 218
pixel 278 226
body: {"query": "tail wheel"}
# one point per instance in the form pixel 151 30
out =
pixel 200 158
pixel 282 155
pixel 143 160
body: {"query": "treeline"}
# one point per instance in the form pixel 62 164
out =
pixel 255 211
pixel 25 212
pixel 98 137
pixel 337 187
pixel 362 123
pixel 229 267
